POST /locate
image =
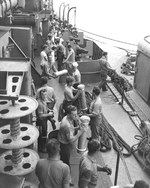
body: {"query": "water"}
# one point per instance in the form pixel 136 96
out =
pixel 122 20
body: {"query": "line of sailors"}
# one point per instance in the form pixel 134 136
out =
pixel 53 172
pixel 56 51
pixel 55 57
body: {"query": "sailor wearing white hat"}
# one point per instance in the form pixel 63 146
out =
pixel 76 74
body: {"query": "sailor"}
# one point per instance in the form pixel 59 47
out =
pixel 105 66
pixel 52 172
pixel 95 113
pixel 42 113
pixel 44 62
pixel 60 54
pixel 50 40
pixel 69 96
pixel 70 58
pixel 78 51
pixel 76 74
pixel 51 97
pixel 89 168
pixel 51 59
pixel 66 134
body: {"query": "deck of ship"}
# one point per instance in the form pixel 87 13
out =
pixel 119 120
pixel 122 123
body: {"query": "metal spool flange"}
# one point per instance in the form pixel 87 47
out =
pixel 23 106
pixel 29 185
pixel 28 135
pixel 25 166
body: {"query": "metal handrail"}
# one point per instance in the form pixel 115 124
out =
pixel 63 3
pixel 69 12
pixel 64 12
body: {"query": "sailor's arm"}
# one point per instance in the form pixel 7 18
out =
pixel 69 54
pixel 42 115
pixel 95 112
pixel 72 139
pixel 109 66
pixel 104 169
pixel 70 95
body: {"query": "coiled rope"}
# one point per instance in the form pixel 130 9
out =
pixel 108 132
pixel 119 142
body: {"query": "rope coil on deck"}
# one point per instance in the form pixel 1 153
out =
pixel 108 132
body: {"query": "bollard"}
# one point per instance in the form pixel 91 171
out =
pixel 82 98
pixel 82 141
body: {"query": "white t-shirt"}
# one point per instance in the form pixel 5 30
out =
pixel 77 76
pixel 71 56
pixel 44 58
pixel 52 57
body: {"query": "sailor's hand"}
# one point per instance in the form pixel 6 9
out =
pixel 54 75
pixel 51 76
pixel 51 113
pixel 107 170
pixel 77 128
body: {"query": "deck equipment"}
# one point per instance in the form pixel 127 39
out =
pixel 15 135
